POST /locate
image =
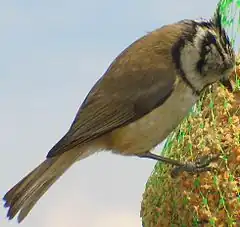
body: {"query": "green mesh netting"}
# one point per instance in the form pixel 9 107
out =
pixel 213 126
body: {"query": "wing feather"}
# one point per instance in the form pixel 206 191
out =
pixel 139 80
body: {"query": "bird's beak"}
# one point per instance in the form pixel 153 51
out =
pixel 227 83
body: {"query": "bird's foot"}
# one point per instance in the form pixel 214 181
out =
pixel 201 165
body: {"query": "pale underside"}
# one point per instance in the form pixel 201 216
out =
pixel 147 132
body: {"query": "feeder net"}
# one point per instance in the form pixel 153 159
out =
pixel 213 126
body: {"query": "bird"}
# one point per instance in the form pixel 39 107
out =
pixel 144 94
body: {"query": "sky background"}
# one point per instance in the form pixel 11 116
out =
pixel 51 54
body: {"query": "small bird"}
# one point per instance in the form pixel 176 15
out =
pixel 141 98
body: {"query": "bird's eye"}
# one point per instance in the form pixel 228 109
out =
pixel 209 39
pixel 212 39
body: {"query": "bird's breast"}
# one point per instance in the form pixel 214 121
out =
pixel 150 130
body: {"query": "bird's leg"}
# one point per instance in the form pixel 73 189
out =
pixel 201 165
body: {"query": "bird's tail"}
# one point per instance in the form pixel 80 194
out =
pixel 24 195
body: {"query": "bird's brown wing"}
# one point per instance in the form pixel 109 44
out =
pixel 137 82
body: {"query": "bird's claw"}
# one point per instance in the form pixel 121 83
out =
pixel 201 165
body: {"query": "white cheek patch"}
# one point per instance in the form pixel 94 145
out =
pixel 189 58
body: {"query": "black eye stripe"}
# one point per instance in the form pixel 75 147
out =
pixel 211 39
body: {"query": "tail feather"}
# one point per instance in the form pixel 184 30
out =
pixel 28 206
pixel 25 189
pixel 14 194
pixel 25 194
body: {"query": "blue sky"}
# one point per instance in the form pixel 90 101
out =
pixel 52 52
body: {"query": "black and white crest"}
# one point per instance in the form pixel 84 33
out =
pixel 218 23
